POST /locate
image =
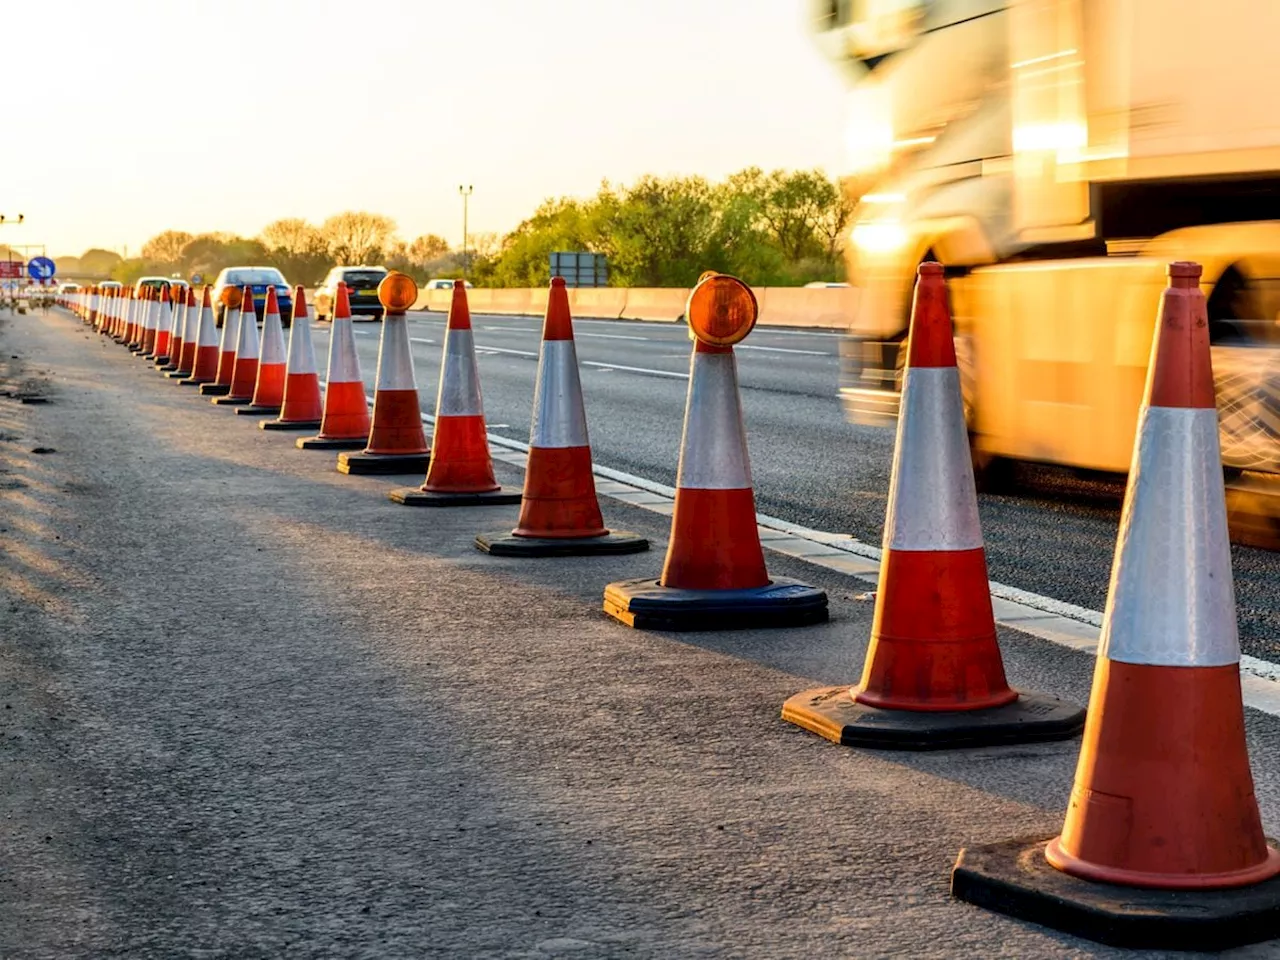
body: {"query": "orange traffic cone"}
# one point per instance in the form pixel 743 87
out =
pixel 146 319
pixel 268 387
pixel 1163 798
pixel 221 385
pixel 559 514
pixel 301 407
pixel 173 349
pixel 933 676
pixel 397 443
pixel 204 368
pixel 93 305
pixel 186 359
pixel 714 577
pixel 461 471
pixel 245 373
pixel 344 420
pixel 163 319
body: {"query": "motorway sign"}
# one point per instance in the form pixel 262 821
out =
pixel 41 268
pixel 11 268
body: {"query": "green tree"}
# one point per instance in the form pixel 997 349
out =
pixel 166 247
pixel 297 248
pixel 98 263
pixel 356 237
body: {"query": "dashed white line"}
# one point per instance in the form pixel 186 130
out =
pixel 420 340
pixel 811 353
pixel 610 336
pixel 510 329
pixel 485 348
pixel 618 366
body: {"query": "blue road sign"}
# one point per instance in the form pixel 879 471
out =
pixel 41 268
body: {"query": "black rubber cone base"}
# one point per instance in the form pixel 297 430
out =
pixel 383 463
pixel 214 389
pixel 256 411
pixel 327 443
pixel 647 605
pixel 1013 878
pixel 288 424
pixel 832 713
pixel 163 363
pixel 229 401
pixel 190 381
pixel 506 544
pixel 415 497
pixel 178 375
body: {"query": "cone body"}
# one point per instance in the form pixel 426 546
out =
pixel 152 329
pixel 397 418
pixel 714 541
pixel 1163 794
pixel 301 401
pixel 346 410
pixel 460 461
pixel 190 331
pixel 559 489
pixel 268 389
pixel 164 324
pixel 175 332
pixel 933 637
pixel 227 348
pixel 207 353
pixel 245 372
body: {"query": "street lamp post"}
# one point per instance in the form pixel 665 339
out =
pixel 465 192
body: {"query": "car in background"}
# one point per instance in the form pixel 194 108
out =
pixel 157 282
pixel 362 291
pixel 68 288
pixel 257 279
pixel 444 284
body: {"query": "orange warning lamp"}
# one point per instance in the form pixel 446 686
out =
pixel 721 309
pixel 232 297
pixel 398 292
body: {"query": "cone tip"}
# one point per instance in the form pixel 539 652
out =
pixel 929 268
pixel 557 281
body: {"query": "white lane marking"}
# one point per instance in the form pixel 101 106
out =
pixel 363 333
pixel 420 340
pixel 618 366
pixel 610 336
pixel 1060 623
pixel 485 348
pixel 811 353
pixel 505 329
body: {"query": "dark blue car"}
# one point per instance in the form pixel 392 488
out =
pixel 258 280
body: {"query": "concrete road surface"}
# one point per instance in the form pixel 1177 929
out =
pixel 253 709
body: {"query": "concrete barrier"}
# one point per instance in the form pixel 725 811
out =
pixel 827 307
pixel 603 303
pixel 654 303
pixel 830 308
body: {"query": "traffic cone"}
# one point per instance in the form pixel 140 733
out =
pixel 559 514
pixel 933 677
pixel 714 577
pixel 245 373
pixel 132 335
pixel 221 384
pixel 345 419
pixel 173 349
pixel 151 325
pixel 268 387
pixel 159 346
pixel 204 369
pixel 301 406
pixel 190 330
pixel 93 304
pixel 461 471
pixel 397 443
pixel 1162 829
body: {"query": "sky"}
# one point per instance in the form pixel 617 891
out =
pixel 223 116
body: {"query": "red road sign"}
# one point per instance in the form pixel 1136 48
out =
pixel 11 269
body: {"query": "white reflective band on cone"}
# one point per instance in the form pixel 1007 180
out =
pixel 344 362
pixel 247 341
pixel 1172 601
pixel 395 363
pixel 208 333
pixel 559 419
pixel 932 501
pixel 153 316
pixel 178 318
pixel 459 391
pixel 302 356
pixel 190 323
pixel 273 341
pixel 230 330
pixel 164 316
pixel 713 449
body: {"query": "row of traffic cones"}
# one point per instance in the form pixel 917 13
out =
pixel 1162 843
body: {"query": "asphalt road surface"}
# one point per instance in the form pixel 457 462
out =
pixel 253 709
pixel 810 466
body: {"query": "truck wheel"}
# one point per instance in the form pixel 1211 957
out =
pixel 991 474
